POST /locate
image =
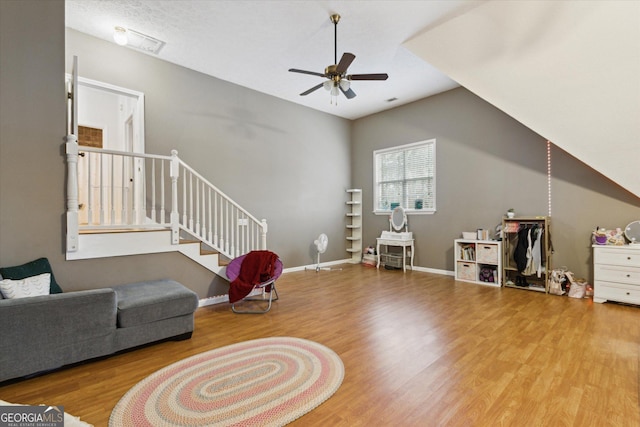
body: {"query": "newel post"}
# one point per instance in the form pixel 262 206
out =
pixel 263 235
pixel 175 215
pixel 71 148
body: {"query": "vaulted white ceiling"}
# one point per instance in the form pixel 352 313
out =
pixel 254 43
pixel 569 70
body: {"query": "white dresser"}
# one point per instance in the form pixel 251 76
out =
pixel 616 273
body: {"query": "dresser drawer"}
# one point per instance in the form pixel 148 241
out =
pixel 466 271
pixel 614 273
pixel 487 253
pixel 617 256
pixel 616 292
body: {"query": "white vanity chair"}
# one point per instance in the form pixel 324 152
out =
pixel 397 237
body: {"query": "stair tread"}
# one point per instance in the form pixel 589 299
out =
pixel 203 251
pixel 187 241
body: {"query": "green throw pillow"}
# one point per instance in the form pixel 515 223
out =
pixel 30 269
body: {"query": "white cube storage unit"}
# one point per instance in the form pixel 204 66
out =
pixel 478 261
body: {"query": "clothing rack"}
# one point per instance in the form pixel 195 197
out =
pixel 512 275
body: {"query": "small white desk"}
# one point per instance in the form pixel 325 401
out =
pixel 397 242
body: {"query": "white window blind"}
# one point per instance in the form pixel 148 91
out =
pixel 405 176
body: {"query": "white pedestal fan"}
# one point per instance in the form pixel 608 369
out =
pixel 321 246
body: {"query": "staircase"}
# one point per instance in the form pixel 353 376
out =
pixel 124 203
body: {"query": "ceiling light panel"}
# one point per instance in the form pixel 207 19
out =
pixel 144 42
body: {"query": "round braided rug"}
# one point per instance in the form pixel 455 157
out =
pixel 265 382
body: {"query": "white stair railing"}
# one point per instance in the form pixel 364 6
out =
pixel 214 218
pixel 109 189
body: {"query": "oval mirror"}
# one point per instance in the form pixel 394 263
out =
pixel 398 218
pixel 632 232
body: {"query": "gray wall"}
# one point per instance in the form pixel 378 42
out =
pixel 32 124
pixel 487 163
pixel 32 168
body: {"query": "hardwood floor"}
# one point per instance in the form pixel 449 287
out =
pixel 419 349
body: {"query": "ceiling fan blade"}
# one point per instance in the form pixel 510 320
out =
pixel 383 76
pixel 349 93
pixel 308 91
pixel 313 73
pixel 345 61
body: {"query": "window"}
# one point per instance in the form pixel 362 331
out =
pixel 405 176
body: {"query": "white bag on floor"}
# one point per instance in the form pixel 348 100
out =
pixel 578 289
pixel 555 281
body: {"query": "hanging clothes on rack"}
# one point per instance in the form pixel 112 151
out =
pixel 534 256
pixel 538 253
pixel 528 252
pixel 520 252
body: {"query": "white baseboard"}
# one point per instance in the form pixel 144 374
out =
pixel 434 271
pixel 313 266
pixel 221 299
pixel 349 261
pixel 218 299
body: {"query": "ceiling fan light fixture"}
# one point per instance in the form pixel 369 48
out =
pixel 120 36
pixel 336 74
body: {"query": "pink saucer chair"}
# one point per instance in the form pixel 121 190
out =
pixel 266 287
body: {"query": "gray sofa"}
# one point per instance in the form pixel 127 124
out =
pixel 46 332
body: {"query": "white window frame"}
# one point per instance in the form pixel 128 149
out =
pixel 410 210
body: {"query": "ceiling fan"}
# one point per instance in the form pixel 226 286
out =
pixel 338 79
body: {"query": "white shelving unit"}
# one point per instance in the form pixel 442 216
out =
pixel 478 261
pixel 354 225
